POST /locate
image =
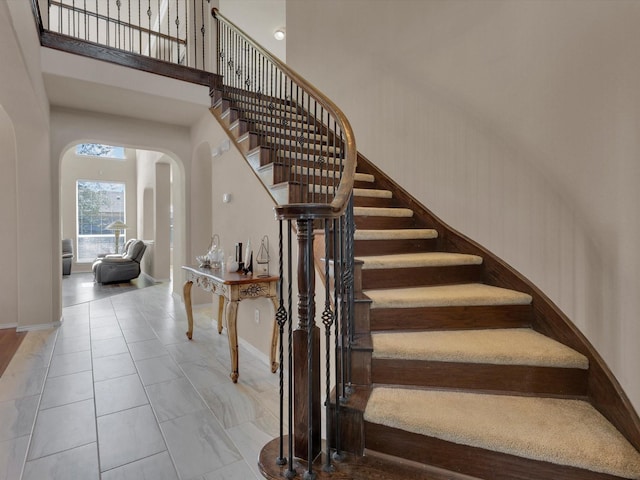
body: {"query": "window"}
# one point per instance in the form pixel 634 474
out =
pixel 98 204
pixel 100 150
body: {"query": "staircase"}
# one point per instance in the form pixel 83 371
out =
pixel 456 366
pixel 459 367
pixel 453 367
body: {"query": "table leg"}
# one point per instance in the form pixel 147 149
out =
pixel 187 305
pixel 274 337
pixel 220 311
pixel 232 332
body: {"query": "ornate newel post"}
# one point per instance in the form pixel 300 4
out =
pixel 306 353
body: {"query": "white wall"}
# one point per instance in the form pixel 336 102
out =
pixel 31 239
pixel 259 19
pixel 516 122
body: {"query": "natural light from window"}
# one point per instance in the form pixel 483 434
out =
pixel 97 205
pixel 100 150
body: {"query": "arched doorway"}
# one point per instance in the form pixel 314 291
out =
pixel 145 191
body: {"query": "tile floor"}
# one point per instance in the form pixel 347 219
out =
pixel 118 392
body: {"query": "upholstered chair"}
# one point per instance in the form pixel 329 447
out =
pixel 67 256
pixel 116 268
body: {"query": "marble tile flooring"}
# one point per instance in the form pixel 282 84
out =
pixel 118 392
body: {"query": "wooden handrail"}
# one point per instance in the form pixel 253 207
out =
pixel 343 193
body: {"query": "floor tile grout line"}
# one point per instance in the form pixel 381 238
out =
pixel 35 417
pixel 144 387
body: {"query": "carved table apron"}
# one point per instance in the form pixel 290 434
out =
pixel 231 289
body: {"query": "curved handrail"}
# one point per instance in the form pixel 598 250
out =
pixel 341 197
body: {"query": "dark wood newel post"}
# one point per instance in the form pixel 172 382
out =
pixel 306 389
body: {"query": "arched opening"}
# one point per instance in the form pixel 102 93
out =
pixel 142 188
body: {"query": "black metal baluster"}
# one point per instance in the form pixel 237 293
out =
pixel 73 16
pixel 291 472
pixel 281 318
pixel 118 4
pixel 349 287
pixel 97 23
pixel 177 22
pixel 327 321
pixel 149 17
pixel 341 230
pixel 337 276
pixel 194 49
pixel 130 29
pixel 203 30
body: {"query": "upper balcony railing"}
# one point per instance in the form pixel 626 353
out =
pixel 175 31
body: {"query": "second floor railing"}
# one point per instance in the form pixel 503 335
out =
pixel 175 31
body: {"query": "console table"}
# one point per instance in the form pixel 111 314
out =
pixel 231 289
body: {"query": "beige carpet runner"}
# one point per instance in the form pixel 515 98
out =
pixel 507 346
pixel 472 294
pixel 416 260
pixel 567 432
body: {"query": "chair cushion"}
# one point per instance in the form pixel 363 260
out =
pixel 136 250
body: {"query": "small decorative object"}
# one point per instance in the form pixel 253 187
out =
pixel 215 252
pixel 248 259
pixel 263 258
pixel 203 261
pixel 239 256
pixel 232 265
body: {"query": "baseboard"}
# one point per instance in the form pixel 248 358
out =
pixel 153 279
pixel 40 326
pixel 264 358
pixel 8 325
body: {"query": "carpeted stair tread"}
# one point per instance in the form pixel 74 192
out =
pixel 509 346
pixel 397 234
pixel 382 212
pixel 559 431
pixel 470 294
pixel 416 260
pixel 372 192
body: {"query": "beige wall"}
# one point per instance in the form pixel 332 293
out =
pixel 259 19
pixel 31 238
pixel 74 168
pixel 68 127
pixel 249 215
pixel 516 122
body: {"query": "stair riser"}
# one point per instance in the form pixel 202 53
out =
pixel 361 367
pixel 451 318
pixel 233 93
pixel 385 247
pixel 361 322
pixel 245 126
pixel 380 223
pixel 374 202
pixel 469 460
pixel 294 193
pixel 409 277
pixel 262 156
pixel 511 379
pixel 262 106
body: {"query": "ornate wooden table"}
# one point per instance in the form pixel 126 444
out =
pixel 231 289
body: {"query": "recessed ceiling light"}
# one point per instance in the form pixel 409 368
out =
pixel 279 34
